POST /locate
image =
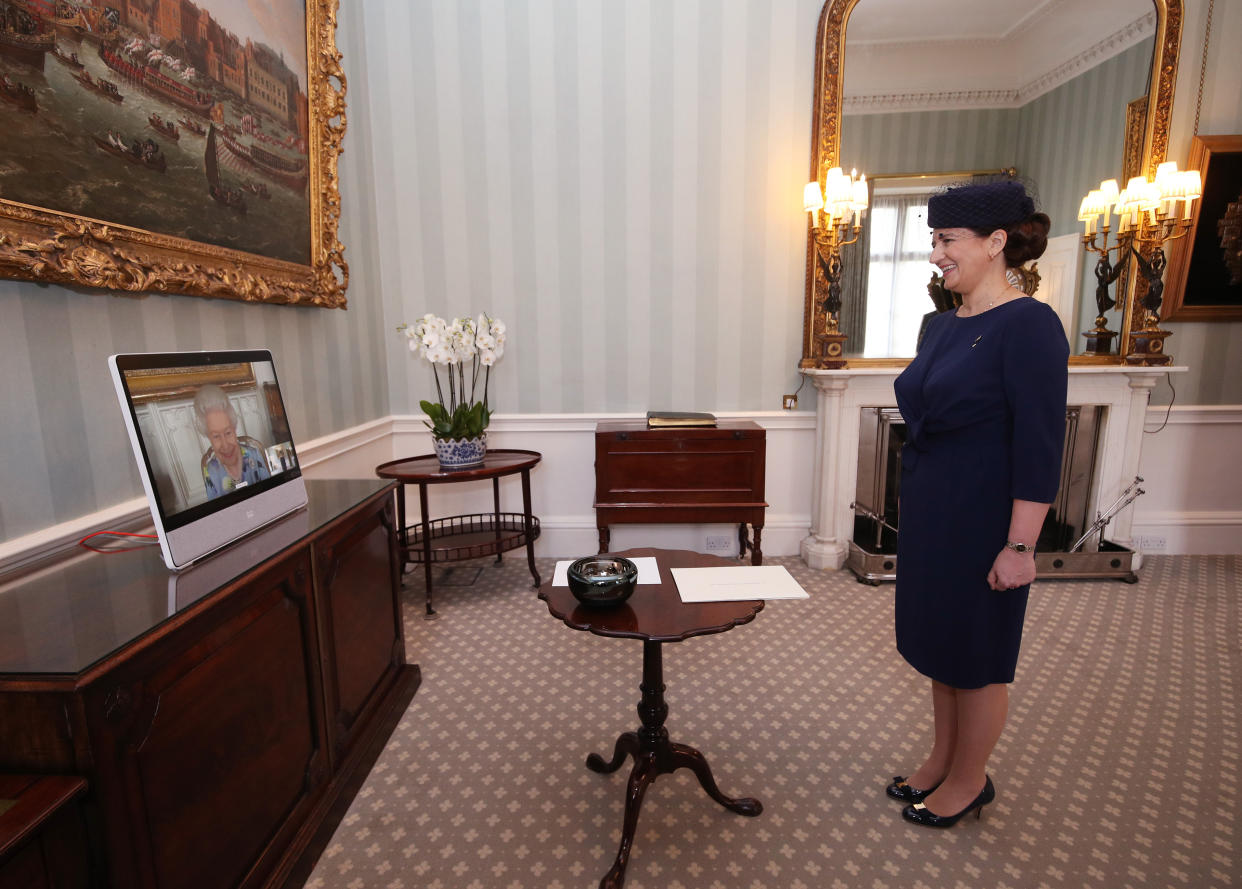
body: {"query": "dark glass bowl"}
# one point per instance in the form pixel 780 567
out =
pixel 602 581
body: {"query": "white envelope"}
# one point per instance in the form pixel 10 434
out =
pixel 735 583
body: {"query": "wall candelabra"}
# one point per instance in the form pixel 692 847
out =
pixel 836 208
pixel 1148 217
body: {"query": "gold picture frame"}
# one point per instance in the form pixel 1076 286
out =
pixel 1204 281
pixel 46 245
pixel 164 383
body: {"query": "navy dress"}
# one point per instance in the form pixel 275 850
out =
pixel 984 405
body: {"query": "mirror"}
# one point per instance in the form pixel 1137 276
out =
pixel 891 100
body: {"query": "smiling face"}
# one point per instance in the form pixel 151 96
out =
pixel 964 257
pixel 222 435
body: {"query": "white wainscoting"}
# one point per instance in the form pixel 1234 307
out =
pixel 562 486
pixel 1190 469
pixel 1193 480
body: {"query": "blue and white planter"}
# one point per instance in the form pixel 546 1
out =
pixel 460 453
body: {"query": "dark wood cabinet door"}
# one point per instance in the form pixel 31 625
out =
pixel 363 647
pixel 675 467
pixel 209 744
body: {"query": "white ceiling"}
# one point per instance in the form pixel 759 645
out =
pixel 899 21
pixel 964 53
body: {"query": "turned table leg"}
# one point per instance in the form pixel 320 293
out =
pixel 426 524
pixel 529 522
pixel 655 755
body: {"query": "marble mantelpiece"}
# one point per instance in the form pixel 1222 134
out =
pixel 842 394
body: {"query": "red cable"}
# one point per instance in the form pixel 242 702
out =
pixel 82 543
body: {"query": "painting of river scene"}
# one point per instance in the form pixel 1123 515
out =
pixel 181 118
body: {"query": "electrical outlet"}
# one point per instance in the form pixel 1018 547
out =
pixel 719 543
pixel 789 402
pixel 1150 543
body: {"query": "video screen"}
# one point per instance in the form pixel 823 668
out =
pixel 210 433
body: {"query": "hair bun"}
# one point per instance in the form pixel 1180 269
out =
pixel 1027 239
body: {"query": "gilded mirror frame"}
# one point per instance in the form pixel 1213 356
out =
pixel 50 246
pixel 826 145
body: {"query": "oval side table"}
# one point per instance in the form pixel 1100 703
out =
pixel 460 537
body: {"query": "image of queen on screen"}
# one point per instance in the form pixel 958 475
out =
pixel 210 431
pixel 232 462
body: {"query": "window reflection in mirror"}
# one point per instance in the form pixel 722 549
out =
pixel 897 272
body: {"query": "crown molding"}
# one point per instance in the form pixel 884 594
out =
pixel 930 101
pixel 1114 44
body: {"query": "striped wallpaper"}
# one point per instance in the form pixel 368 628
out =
pixel 930 141
pixel 620 182
pixel 1067 159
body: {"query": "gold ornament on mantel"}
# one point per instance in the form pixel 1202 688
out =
pixel 1148 217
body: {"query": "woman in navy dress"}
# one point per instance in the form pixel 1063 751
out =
pixel 984 405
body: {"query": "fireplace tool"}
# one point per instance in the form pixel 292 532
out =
pixel 1128 496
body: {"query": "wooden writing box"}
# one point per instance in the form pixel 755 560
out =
pixel 681 474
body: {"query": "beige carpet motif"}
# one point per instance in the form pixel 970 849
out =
pixel 1119 766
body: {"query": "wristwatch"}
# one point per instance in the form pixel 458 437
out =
pixel 1019 547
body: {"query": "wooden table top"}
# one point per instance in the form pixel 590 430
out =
pixel 655 611
pixel 426 469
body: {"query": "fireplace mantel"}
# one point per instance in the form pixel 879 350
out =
pixel 841 394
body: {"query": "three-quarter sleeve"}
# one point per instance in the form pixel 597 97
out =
pixel 1036 380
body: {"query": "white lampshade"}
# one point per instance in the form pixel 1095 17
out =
pixel 1191 190
pixel 1149 195
pixel 1089 208
pixel 861 198
pixel 838 188
pixel 1167 179
pixel 1192 186
pixel 812 197
pixel 1109 191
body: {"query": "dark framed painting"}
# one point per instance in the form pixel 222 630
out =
pixel 1204 280
pixel 174 147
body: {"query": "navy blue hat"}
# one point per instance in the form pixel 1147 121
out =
pixel 992 205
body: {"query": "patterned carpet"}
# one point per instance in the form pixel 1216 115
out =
pixel 1119 766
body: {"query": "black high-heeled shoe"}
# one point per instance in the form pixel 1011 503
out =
pixel 920 814
pixel 905 793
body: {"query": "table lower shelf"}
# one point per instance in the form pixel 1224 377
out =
pixel 461 537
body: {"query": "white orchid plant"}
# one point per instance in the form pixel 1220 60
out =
pixel 478 342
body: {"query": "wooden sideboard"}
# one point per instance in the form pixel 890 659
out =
pixel 42 833
pixel 681 474
pixel 224 717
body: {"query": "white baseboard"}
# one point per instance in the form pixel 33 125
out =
pixel 1188 467
pixel 1203 533
pixel 562 487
